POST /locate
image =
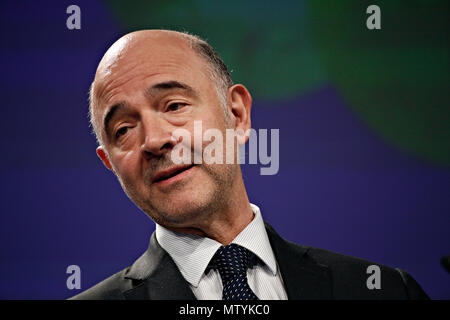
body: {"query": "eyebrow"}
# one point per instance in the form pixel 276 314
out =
pixel 111 112
pixel 152 91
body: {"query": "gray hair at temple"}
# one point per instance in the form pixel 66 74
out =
pixel 218 72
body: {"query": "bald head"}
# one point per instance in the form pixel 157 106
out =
pixel 145 46
pixel 141 44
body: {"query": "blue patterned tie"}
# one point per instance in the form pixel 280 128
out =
pixel 232 263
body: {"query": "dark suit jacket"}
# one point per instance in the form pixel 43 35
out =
pixel 308 273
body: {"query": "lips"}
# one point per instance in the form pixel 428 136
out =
pixel 170 173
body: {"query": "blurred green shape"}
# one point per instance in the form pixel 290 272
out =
pixel 266 45
pixel 396 78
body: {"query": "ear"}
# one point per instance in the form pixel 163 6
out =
pixel 241 103
pixel 103 156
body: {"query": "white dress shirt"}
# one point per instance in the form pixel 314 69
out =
pixel 193 253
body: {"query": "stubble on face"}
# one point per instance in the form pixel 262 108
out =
pixel 178 212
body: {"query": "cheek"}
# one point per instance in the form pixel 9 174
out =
pixel 127 165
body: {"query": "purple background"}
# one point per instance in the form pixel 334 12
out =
pixel 339 187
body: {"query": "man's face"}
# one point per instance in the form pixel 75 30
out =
pixel 144 91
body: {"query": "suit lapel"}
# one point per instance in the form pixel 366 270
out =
pixel 304 279
pixel 156 277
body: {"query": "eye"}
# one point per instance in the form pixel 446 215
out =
pixel 176 106
pixel 121 132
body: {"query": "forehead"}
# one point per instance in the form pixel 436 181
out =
pixel 131 63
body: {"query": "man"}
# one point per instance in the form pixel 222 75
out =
pixel 210 242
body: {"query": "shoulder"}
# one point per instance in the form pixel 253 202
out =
pixel 108 289
pixel 354 277
pixel 340 276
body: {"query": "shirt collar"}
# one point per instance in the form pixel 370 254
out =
pixel 193 253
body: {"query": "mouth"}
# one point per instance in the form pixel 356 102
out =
pixel 171 175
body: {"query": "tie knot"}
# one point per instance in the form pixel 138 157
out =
pixel 232 260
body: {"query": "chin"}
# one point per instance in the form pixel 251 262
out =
pixel 180 213
pixel 178 207
pixel 184 204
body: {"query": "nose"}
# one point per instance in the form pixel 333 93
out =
pixel 157 137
